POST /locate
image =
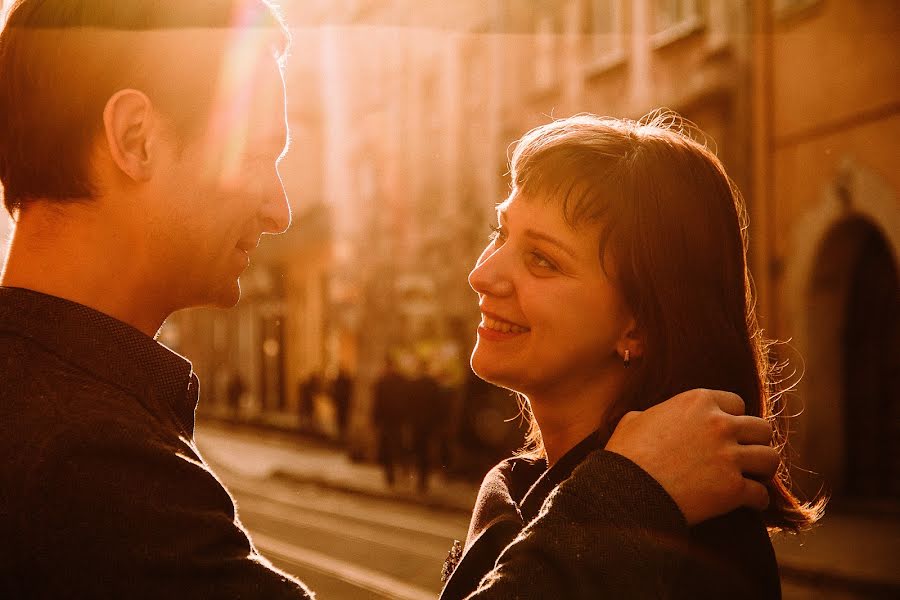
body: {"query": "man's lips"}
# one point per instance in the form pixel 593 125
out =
pixel 247 247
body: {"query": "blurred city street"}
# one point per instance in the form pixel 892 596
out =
pixel 335 524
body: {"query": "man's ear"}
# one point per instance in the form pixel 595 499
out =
pixel 129 121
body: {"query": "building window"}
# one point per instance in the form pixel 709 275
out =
pixel 603 29
pixel 477 71
pixel 675 19
pixel 719 26
pixel 432 107
pixel 545 63
pixel 785 9
pixel 5 5
pixel 358 8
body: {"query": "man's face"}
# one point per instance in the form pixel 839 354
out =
pixel 221 189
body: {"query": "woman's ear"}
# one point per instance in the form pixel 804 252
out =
pixel 632 341
pixel 129 123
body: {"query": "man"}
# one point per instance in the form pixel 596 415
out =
pixel 388 415
pixel 138 150
pixel 306 395
pixel 342 394
pixel 235 392
pixel 423 404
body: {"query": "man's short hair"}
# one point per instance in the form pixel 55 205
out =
pixel 61 61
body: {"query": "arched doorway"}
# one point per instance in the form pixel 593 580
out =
pixel 872 365
pixel 854 324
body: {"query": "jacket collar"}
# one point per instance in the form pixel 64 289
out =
pixel 500 493
pixel 106 348
pixel 510 496
pixel 517 487
pixel 536 495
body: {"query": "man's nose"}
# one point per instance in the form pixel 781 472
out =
pixel 276 211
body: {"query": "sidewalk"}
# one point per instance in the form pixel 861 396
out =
pixel 847 552
pixel 857 554
pixel 279 455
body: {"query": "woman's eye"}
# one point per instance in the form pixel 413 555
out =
pixel 542 262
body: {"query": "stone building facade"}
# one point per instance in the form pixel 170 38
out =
pixel 827 250
pixel 403 114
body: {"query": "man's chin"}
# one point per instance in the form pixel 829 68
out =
pixel 227 296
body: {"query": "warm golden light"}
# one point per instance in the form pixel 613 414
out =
pixel 391 345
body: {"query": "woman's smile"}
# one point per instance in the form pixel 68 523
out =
pixel 493 327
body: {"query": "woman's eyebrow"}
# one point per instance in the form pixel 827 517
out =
pixel 538 235
pixel 531 233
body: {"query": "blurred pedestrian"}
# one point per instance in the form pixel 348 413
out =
pixel 388 414
pixel 342 395
pixel 424 411
pixel 236 389
pixel 307 391
pixel 447 420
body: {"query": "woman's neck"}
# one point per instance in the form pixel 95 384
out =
pixel 568 414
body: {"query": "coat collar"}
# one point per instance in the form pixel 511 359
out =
pixel 105 347
pixel 510 497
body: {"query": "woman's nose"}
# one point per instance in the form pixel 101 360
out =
pixel 490 276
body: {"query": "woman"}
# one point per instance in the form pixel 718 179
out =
pixel 617 278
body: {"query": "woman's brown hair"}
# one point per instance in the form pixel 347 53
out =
pixel 673 230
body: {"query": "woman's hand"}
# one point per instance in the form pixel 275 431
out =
pixel 703 450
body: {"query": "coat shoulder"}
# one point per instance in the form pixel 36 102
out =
pixel 734 554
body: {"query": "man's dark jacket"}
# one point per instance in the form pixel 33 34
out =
pixel 103 493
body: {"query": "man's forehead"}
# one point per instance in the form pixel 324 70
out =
pixel 247 117
pixel 196 40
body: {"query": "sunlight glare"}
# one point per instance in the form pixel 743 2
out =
pixel 243 68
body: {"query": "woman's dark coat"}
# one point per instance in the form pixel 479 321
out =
pixel 727 557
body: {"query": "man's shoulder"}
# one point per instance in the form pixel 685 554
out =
pixel 28 369
pixel 43 396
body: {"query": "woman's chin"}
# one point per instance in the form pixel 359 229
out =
pixel 495 374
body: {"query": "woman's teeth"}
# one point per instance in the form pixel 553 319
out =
pixel 502 326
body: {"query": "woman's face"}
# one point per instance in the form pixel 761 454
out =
pixel 550 316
